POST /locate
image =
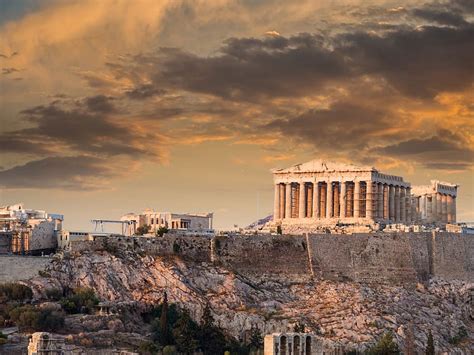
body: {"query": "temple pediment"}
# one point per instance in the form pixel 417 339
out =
pixel 319 165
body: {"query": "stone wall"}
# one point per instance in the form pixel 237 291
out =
pixel 263 254
pixel 382 258
pixel 17 268
pixel 453 256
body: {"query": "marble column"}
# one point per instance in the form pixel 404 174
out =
pixel 391 203
pixel 380 200
pixel 302 201
pixel 434 208
pixel 454 209
pixel 369 199
pixel 309 200
pixel 397 204
pixel 288 200
pixel 386 202
pixel 408 205
pixel 329 202
pixel 403 205
pixel 356 199
pixel 439 205
pixel 343 200
pixel 323 195
pixel 276 203
pixel 282 201
pixel 449 208
pixel 444 208
pixel 316 200
pixel 335 200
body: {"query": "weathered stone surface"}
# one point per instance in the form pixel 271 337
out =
pixel 348 313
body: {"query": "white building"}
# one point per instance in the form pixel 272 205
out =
pixel 436 203
pixel 174 221
pixel 28 231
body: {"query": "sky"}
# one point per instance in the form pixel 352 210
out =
pixel 112 106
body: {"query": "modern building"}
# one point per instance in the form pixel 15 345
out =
pixel 319 193
pixel 28 231
pixel 174 221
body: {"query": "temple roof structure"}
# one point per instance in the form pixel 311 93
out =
pixel 319 165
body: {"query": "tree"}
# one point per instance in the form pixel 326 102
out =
pixel 82 300
pixel 211 338
pixel 279 230
pixel 430 349
pixel 143 229
pixel 256 339
pixel 385 346
pixel 164 335
pixel 185 333
pixel 162 231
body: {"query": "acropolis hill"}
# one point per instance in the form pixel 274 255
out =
pixel 347 287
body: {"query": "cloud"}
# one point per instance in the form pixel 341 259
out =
pixel 445 150
pixel 71 173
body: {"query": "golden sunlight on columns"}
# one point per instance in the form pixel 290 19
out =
pixel 403 204
pixel 356 199
pixel 322 195
pixel 439 207
pixel 302 201
pixel 380 200
pixel 444 208
pixel 369 199
pixel 315 199
pixel 282 201
pixel 343 200
pixel 391 201
pixel 397 204
pixel 288 200
pixel 329 202
pixel 408 205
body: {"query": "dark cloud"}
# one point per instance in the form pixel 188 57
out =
pixel 345 124
pixel 100 103
pixel 249 69
pixel 445 150
pixel 441 17
pixel 144 91
pixel 77 173
pixel 419 62
pixel 85 129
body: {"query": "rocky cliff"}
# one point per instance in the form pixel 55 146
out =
pixel 347 314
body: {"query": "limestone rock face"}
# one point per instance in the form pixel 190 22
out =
pixel 349 314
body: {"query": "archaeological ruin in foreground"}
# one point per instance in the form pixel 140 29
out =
pixel 326 193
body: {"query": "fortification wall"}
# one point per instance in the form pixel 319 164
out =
pixel 382 258
pixel 453 256
pixel 17 268
pixel 263 254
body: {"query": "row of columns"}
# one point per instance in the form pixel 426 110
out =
pixel 438 207
pixel 347 199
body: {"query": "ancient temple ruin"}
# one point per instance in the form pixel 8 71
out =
pixel 327 193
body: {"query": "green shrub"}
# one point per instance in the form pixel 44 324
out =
pixel 3 341
pixel 169 350
pixel 83 300
pixel 148 348
pixel 15 292
pixel 385 346
pixel 459 337
pixel 162 231
pixel 50 321
pixel 54 294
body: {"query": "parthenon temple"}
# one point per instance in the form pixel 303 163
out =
pixel 325 193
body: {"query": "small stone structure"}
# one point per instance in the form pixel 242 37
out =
pixel 201 223
pixel 298 344
pixel 43 343
pixel 319 193
pixel 436 202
